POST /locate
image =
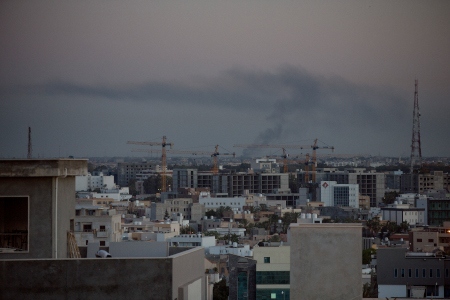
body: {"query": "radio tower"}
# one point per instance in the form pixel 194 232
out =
pixel 30 147
pixel 416 151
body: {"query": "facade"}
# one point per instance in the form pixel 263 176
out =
pixel 157 277
pixel 235 249
pixel 428 239
pixel 90 183
pixel 273 267
pixel 370 183
pixel 184 178
pixel 37 200
pixel 412 274
pixel 236 203
pixel 185 206
pixel 127 171
pixel 265 165
pixel 421 183
pixel 323 261
pixel 334 194
pixel 96 224
pixel 242 278
pixel 193 240
pixel 437 207
pixel 238 184
pixel 399 213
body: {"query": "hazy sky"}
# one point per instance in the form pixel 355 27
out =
pixel 87 76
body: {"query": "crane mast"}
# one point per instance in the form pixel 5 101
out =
pixel 163 144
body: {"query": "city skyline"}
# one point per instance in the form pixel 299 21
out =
pixel 88 77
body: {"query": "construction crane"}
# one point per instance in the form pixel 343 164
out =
pixel 214 155
pixel 314 157
pixel 163 144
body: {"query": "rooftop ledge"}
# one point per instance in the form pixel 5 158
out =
pixel 43 167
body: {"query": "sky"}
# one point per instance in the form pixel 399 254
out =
pixel 88 76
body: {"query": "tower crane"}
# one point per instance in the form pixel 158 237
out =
pixel 214 155
pixel 163 144
pixel 314 157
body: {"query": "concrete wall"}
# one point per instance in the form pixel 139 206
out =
pixel 139 249
pixel 104 278
pixel 187 269
pixel 50 186
pixel 326 261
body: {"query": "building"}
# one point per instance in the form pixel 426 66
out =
pixel 96 224
pixel 401 273
pixel 37 198
pixel 273 266
pixel 37 201
pixel 370 184
pixel 191 211
pixel 91 183
pixel 127 171
pixel 421 183
pixel 400 213
pixel 184 178
pixel 437 207
pixel 334 194
pixel 320 255
pixel 238 184
pixel 193 240
pixel 235 203
pixel 430 238
pixel 242 277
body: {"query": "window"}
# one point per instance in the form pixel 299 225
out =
pixel 395 273
pixel 417 273
pixel 409 273
pixel 267 260
pixel 14 212
pixel 431 273
pixel 424 273
pixel 102 243
pixel 430 240
pixel 438 273
pixel 419 240
pixel 403 272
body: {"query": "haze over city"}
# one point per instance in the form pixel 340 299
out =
pixel 89 76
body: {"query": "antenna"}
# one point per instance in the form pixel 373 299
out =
pixel 416 151
pixel 30 146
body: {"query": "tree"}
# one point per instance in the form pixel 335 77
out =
pixel 389 197
pixel 212 233
pixel 367 255
pixel 187 230
pixel 220 290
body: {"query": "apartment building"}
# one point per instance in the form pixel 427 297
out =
pixel 127 171
pixel 96 224
pixel 191 211
pixel 91 183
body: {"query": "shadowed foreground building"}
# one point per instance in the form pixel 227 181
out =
pixel 37 209
pixel 325 261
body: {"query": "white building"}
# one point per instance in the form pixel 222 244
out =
pixel 235 203
pixel 193 240
pixel 90 183
pixel 224 231
pixel 399 213
pixel 122 194
pixel 334 194
pixel 236 249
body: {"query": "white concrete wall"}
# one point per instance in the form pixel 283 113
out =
pixel 389 291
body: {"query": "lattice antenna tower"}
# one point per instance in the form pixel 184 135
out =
pixel 416 150
pixel 30 146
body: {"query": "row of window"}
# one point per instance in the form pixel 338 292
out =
pixel 273 277
pixel 424 273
